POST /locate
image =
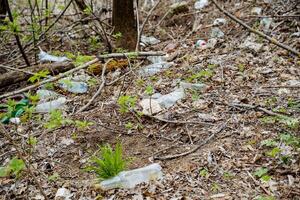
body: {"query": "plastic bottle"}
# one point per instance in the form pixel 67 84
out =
pixel 129 179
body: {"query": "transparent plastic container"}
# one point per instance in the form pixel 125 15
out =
pixel 129 179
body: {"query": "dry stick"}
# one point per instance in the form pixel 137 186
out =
pixel 99 89
pixel 143 25
pixel 257 108
pixel 28 166
pixel 59 76
pixel 222 127
pixel 272 40
pixel 177 121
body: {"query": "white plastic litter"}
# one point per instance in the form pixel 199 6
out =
pixel 219 22
pixel 266 23
pixel 15 120
pixel 256 11
pixel 63 194
pixel 149 40
pixel 51 105
pixel 73 86
pixel 211 43
pixel 296 34
pixel 46 94
pixel 170 99
pixel 156 59
pixel 217 33
pixel 129 179
pixel 200 4
pixel 155 68
pixel 250 44
pixel 45 57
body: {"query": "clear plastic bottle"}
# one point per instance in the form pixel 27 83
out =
pixel 129 179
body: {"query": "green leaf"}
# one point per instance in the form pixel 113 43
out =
pixel 4 172
pixel 265 178
pixel 274 152
pixel 260 172
pixel 16 165
pixel 269 143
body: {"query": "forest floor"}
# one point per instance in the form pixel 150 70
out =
pixel 252 151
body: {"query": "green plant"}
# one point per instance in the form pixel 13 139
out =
pixel 200 76
pixel 149 90
pixel 215 187
pixel 117 35
pixel 32 141
pixel 83 124
pixel 38 76
pixel 54 177
pixel 129 125
pixel 81 59
pixel 109 163
pixel 274 152
pixel 204 173
pixel 290 122
pixel 262 174
pixel 264 198
pixel 269 143
pixel 289 139
pixel 15 167
pixel 126 103
pixel 56 120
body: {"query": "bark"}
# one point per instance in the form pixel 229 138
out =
pixel 124 22
pixel 16 76
pixel 3 11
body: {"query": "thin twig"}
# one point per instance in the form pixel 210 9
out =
pixel 99 89
pixel 178 122
pixel 169 157
pixel 27 164
pixel 272 40
pixel 256 108
pixel 144 23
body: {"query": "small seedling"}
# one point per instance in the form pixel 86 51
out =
pixel 54 177
pixel 15 167
pixel 83 124
pixel 109 163
pixel 126 103
pixel 56 120
pixel 38 76
pixel 262 174
pixel 204 173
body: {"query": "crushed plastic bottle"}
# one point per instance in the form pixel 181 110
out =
pixel 45 57
pixel 46 94
pixel 219 22
pixel 256 11
pixel 76 87
pixel 149 40
pixel 217 33
pixel 200 4
pixel 129 179
pixel 170 99
pixel 266 23
pixel 155 68
pixel 51 105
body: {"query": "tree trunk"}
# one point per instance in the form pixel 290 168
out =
pixel 3 11
pixel 124 22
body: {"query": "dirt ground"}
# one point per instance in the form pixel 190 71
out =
pixel 218 120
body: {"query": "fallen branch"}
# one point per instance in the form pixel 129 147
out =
pixel 100 57
pixel 222 127
pixel 99 89
pixel 19 75
pixel 270 39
